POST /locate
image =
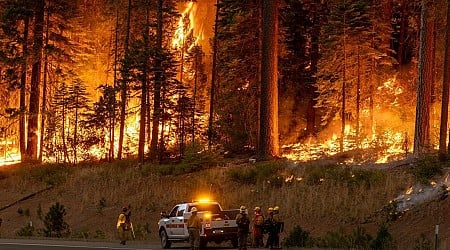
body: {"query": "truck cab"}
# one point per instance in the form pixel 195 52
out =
pixel 218 225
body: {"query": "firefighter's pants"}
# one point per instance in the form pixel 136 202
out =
pixel 194 238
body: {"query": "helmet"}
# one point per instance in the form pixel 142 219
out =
pixel 276 208
pixel 194 209
pixel 243 208
pixel 257 209
pixel 270 209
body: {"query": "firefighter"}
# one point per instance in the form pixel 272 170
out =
pixel 194 226
pixel 122 225
pixel 243 223
pixel 269 228
pixel 258 221
pixel 279 226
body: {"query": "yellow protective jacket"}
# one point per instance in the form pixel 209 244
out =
pixel 194 222
pixel 121 220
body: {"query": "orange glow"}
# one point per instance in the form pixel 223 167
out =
pixel 409 191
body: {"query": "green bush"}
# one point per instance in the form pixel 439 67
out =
pixel 55 226
pixel 26 231
pixel 423 243
pixel 383 239
pixel 259 172
pixel 298 238
pixel 334 240
pixel 243 175
pixel 426 170
pixel 360 238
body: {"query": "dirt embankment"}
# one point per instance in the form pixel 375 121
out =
pixel 94 195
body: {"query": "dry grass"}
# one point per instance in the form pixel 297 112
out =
pixel 94 195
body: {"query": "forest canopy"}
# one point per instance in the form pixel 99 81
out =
pixel 153 79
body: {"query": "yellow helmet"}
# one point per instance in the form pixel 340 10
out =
pixel 194 209
pixel 276 208
pixel 243 208
pixel 257 209
pixel 270 209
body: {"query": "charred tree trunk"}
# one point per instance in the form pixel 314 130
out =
pixel 311 110
pixel 423 106
pixel 143 111
pixel 403 31
pixel 445 93
pixel 158 83
pixel 124 89
pixel 268 132
pixel 358 97
pixel 213 80
pixel 343 96
pixel 44 87
pixel 33 123
pixel 23 87
pixel 112 120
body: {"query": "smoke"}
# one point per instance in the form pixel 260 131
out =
pixel 421 194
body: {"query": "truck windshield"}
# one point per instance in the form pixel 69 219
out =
pixel 213 208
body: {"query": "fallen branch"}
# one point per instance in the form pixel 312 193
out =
pixel 26 197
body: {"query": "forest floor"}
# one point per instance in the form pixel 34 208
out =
pixel 322 199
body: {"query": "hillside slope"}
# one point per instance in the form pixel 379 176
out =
pixel 315 196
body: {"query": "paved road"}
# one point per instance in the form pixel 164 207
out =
pixel 25 244
pixel 20 244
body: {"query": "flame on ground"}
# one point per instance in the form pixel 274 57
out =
pixel 389 144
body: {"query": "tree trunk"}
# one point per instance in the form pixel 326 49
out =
pixel 445 93
pixel 143 111
pixel 124 89
pixel 23 87
pixel 112 120
pixel 213 80
pixel 358 97
pixel 403 31
pixel 44 87
pixel 158 84
pixel 343 96
pixel 311 110
pixel 423 106
pixel 196 62
pixel 32 145
pixel 75 130
pixel 269 141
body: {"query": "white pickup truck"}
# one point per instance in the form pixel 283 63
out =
pixel 218 225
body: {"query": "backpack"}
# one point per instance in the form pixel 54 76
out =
pixel 244 223
pixel 127 225
pixel 268 226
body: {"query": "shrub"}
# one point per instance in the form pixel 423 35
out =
pixel 55 226
pixel 423 243
pixel 383 240
pixel 334 240
pixel 50 174
pixel 264 171
pixel 360 238
pixel 26 231
pixel 243 175
pixel 427 169
pixel 298 238
pixel 101 205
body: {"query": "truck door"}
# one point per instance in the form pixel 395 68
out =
pixel 179 225
pixel 171 222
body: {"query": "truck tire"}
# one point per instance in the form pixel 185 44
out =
pixel 165 243
pixel 234 243
pixel 203 244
